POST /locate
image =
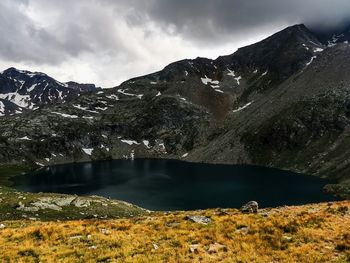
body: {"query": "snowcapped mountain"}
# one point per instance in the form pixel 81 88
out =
pixel 24 90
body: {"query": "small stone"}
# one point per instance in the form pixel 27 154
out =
pixel 75 237
pixel 155 246
pixel 216 247
pixel 194 248
pixel 199 219
pixel 287 238
pixel 221 212
pixel 265 215
pixel 2 226
pixel 243 230
pixel 104 231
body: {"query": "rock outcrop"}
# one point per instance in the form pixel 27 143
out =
pixel 250 207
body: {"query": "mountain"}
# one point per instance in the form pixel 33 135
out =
pixel 283 102
pixel 24 90
pixel 219 84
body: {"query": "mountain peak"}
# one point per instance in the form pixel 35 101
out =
pixel 297 26
pixel 282 54
pixel 22 89
pixel 13 70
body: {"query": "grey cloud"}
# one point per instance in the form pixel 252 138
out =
pixel 138 34
pixel 78 29
pixel 82 27
pixel 209 20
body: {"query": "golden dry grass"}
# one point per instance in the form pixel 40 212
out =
pixel 311 233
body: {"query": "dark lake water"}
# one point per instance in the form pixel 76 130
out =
pixel 176 185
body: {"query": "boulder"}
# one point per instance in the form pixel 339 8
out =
pixel 81 202
pixel 250 207
pixel 46 204
pixel 199 219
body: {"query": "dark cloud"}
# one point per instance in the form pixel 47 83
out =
pixel 209 20
pixel 107 41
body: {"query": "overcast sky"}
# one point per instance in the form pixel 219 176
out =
pixel 108 41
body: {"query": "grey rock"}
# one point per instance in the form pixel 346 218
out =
pixel 199 219
pixel 250 207
pixel 81 202
pixel 194 248
pixel 216 247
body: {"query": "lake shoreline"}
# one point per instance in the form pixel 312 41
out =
pixel 208 176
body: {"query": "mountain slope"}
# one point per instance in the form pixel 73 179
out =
pixel 229 80
pixel 303 125
pixel 30 90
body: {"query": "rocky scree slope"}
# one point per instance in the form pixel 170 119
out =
pixel 302 125
pixel 104 125
pixel 282 102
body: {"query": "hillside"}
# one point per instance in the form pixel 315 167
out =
pixel 311 233
pixel 22 90
pixel 282 102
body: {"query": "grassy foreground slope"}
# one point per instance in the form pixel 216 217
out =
pixel 310 233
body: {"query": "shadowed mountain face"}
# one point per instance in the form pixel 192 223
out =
pixel 331 37
pixel 283 102
pixel 23 90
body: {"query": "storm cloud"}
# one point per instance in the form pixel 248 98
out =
pixel 108 41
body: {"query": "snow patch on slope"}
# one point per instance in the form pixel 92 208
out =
pixel 64 115
pixel 243 107
pixel 130 142
pixel 311 60
pixel 88 151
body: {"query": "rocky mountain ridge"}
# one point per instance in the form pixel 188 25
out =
pixel 22 90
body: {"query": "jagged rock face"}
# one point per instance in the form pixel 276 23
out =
pixel 302 125
pixel 277 57
pixel 109 124
pixel 30 90
pixel 222 84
